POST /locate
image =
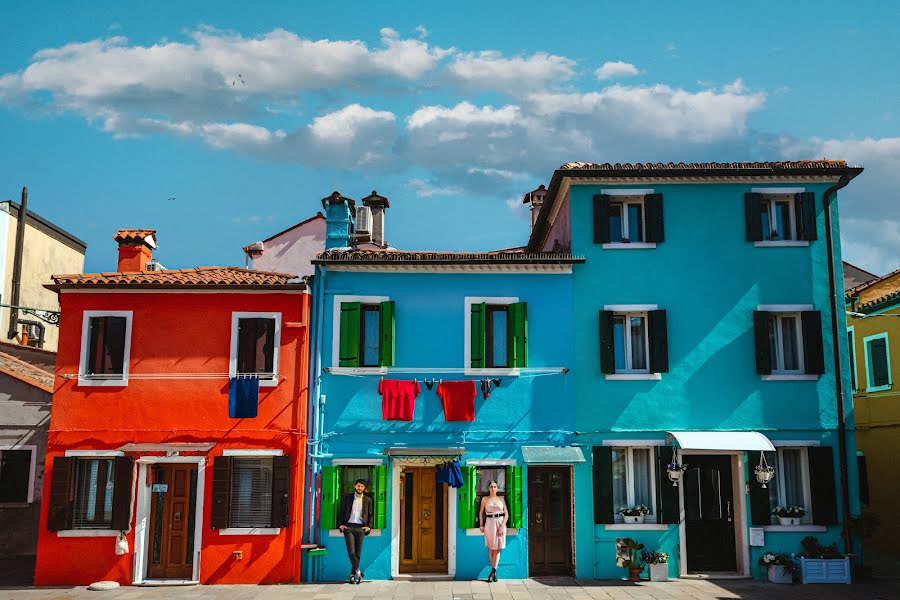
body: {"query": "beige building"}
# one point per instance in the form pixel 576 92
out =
pixel 47 249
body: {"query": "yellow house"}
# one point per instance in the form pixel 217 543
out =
pixel 45 249
pixel 873 327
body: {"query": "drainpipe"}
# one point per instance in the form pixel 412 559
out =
pixel 17 265
pixel 839 380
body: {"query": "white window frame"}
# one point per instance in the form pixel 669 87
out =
pixel 651 517
pixel 627 196
pixel 232 360
pixel 467 335
pixel 772 193
pixel 627 310
pixel 31 473
pixel 804 476
pixel 778 367
pixel 94 380
pixel 336 367
pixel 250 453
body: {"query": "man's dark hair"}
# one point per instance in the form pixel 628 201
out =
pixel 362 481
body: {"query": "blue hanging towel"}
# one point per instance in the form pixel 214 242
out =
pixel 454 474
pixel 243 397
pixel 441 473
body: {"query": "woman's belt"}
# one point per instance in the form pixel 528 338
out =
pixel 497 516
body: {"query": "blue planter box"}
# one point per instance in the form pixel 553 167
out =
pixel 821 570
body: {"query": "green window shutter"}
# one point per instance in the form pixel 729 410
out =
pixel 331 497
pixel 514 501
pixel 753 218
pixel 607 349
pixel 761 339
pixel 517 335
pixel 380 495
pixel 386 345
pixel 879 362
pixel 349 350
pixel 805 203
pixel 479 338
pixel 760 508
pixel 465 499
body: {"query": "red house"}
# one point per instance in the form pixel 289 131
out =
pixel 179 418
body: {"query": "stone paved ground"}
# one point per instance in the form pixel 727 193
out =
pixel 529 589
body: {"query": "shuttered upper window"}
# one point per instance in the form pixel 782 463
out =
pixel 105 348
pixel 773 218
pixel 788 343
pixel 255 341
pixel 498 333
pixel 878 362
pixel 365 333
pixel 633 341
pixel 628 217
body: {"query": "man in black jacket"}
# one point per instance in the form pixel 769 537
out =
pixel 356 522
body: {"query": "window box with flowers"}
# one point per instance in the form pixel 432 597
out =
pixel 634 514
pixel 789 515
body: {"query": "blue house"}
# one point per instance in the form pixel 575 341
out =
pixel 420 359
pixel 704 321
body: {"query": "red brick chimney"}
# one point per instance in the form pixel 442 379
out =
pixel 136 248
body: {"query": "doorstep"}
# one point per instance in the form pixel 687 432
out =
pixel 166 582
pixel 716 575
pixel 422 577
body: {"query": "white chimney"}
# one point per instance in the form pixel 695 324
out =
pixel 378 205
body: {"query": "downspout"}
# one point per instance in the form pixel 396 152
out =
pixel 17 265
pixel 838 374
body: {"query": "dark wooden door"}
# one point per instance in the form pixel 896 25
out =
pixel 550 521
pixel 423 522
pixel 173 498
pixel 709 514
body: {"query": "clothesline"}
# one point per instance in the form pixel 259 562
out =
pixel 119 376
pixel 376 371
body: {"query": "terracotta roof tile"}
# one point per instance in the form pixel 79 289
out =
pixel 793 164
pixel 199 277
pixel 855 290
pixel 27 372
pixel 136 236
pixel 881 302
pixel 409 256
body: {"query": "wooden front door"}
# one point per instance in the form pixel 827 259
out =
pixel 550 521
pixel 173 498
pixel 423 522
pixel 709 514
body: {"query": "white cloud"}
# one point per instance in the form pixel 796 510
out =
pixel 429 189
pixel 239 135
pixel 517 75
pixel 347 124
pixel 618 68
pixel 422 31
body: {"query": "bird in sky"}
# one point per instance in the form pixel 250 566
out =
pixel 172 198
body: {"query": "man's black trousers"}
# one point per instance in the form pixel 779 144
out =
pixel 353 536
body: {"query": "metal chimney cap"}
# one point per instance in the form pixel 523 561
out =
pixel 375 200
pixel 337 198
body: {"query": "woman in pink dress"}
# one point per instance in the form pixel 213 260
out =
pixel 493 516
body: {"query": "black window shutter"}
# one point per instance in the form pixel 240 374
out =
pixel 821 485
pixel 653 207
pixel 879 362
pixel 59 516
pixel 607 351
pixel 15 471
pixel 121 503
pixel 246 354
pixel 220 515
pixel 281 490
pixel 754 219
pixel 659 341
pixel 813 353
pixel 601 219
pixel 760 509
pixel 863 470
pixel 603 491
pixel 668 510
pixel 761 339
pixel 806 210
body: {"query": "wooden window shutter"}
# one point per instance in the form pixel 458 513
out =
pixel 863 470
pixel 601 219
pixel 805 204
pixel 380 496
pixel 121 501
pixel 667 504
pixel 753 218
pixel 659 341
pixel 760 508
pixel 220 513
pixel 761 339
pixel 349 344
pixel 878 359
pixel 331 497
pixel 479 337
pixel 465 499
pixel 822 489
pixel 59 516
pixel 813 352
pixel 603 489
pixel 653 208
pixel 607 349
pixel 281 491
pixel 386 344
pixel 514 500
pixel 517 335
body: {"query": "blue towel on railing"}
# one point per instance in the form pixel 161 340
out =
pixel 454 474
pixel 243 397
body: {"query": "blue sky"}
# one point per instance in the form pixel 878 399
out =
pixel 453 110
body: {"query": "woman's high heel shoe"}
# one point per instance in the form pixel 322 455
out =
pixel 493 576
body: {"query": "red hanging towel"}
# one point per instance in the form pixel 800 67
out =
pixel 398 399
pixel 458 398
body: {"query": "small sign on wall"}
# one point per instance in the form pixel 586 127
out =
pixel 757 536
pixel 160 487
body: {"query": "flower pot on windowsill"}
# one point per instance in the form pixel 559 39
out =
pixel 633 520
pixel 778 574
pixel 659 572
pixel 788 521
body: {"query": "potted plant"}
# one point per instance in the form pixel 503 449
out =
pixel 764 473
pixel 657 563
pixel 634 514
pixel 633 564
pixel 779 566
pixel 823 564
pixel 674 469
pixel 789 515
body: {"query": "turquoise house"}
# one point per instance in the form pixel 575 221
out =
pixel 485 341
pixel 703 324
